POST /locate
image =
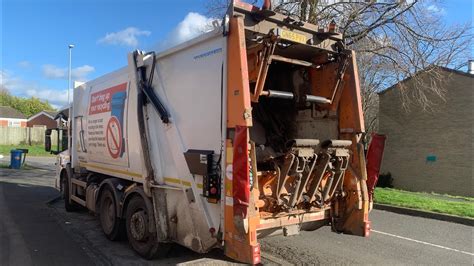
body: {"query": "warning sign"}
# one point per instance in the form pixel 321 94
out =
pixel 106 124
pixel 113 137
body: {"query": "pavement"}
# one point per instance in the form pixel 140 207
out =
pixel 35 232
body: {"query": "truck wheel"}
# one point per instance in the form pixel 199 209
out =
pixel 138 231
pixel 112 226
pixel 69 206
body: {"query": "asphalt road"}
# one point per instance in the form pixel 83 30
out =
pixel 29 234
pixel 34 232
pixel 395 239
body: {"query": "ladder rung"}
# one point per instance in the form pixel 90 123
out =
pixel 78 182
pixel 78 200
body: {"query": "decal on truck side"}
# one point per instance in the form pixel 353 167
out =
pixel 113 137
pixel 106 132
pixel 208 53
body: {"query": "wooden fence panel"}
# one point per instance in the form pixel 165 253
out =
pixel 24 136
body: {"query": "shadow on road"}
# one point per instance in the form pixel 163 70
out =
pixel 36 229
pixel 29 232
pixel 85 227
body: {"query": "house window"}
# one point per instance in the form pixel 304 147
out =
pixel 14 123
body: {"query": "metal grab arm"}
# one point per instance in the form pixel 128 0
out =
pixel 145 85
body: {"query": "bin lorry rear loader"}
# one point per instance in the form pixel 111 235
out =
pixel 250 130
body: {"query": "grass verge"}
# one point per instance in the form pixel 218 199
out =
pixel 33 150
pixel 460 206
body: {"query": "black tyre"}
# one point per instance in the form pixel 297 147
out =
pixel 138 231
pixel 69 206
pixel 112 226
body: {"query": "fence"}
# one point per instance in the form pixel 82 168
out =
pixel 22 135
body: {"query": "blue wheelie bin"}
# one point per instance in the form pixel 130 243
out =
pixel 15 159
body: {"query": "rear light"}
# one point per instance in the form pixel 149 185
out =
pixel 332 27
pixel 267 5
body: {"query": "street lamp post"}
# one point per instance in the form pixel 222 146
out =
pixel 69 74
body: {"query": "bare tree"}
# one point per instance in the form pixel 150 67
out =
pixel 394 40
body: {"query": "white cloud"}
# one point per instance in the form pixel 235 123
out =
pixel 80 73
pixel 24 64
pixel 126 37
pixel 54 97
pixel 436 9
pixel 55 72
pixel 194 24
pixel 11 82
pixel 23 88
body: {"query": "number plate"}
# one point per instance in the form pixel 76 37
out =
pixel 292 36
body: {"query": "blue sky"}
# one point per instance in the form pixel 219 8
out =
pixel 35 35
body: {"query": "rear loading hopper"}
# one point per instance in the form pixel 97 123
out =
pixel 248 131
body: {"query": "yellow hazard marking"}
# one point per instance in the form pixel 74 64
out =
pixel 230 155
pixel 180 182
pixel 123 172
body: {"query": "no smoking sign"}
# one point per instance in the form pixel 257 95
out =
pixel 113 137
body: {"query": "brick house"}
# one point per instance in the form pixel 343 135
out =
pixel 43 118
pixel 10 117
pixel 431 150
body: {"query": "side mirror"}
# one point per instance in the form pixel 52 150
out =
pixel 47 140
pixel 64 141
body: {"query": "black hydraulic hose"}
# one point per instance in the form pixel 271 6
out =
pixel 142 130
pixel 153 98
pixel 143 135
pixel 150 93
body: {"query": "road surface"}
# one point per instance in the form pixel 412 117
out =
pixel 34 232
pixel 29 234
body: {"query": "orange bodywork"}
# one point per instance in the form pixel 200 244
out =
pixel 336 81
pixel 240 232
pixel 351 124
pixel 238 93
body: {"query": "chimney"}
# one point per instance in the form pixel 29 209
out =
pixel 470 67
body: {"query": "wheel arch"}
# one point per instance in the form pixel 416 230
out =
pixel 117 187
pixel 138 191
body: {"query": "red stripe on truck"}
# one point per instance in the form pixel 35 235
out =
pixel 374 161
pixel 241 166
pixel 101 101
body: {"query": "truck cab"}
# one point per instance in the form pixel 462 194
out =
pixel 57 142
